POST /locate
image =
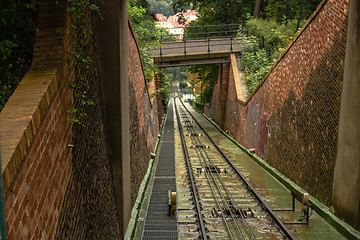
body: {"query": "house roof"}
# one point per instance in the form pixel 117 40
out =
pixel 160 18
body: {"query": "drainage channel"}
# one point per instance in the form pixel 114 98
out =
pixel 158 223
pixel 228 206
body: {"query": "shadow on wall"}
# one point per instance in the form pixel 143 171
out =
pixel 302 142
pixel 139 149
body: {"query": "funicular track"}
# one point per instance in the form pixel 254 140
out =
pixel 224 201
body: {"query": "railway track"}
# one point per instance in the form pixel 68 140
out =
pixel 221 202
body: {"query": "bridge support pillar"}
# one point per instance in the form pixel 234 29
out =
pixel 346 186
pixel 224 79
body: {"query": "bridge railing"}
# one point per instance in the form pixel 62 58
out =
pixel 201 32
pixel 211 36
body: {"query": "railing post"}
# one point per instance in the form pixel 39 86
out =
pixel 184 33
pixel 185 47
pixel 161 39
pixel 231 42
pixel 209 46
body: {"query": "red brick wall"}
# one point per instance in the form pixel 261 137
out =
pixel 36 162
pixel 292 118
pixel 57 175
pixel 144 121
pixel 88 208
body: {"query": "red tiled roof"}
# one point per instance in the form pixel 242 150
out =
pixel 160 17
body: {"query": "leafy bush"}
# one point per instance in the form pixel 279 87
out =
pixel 207 77
pixel 148 36
pixel 16 44
pixel 276 9
pixel 266 41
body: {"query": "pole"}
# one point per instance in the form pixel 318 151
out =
pixel 287 12
pixel 298 23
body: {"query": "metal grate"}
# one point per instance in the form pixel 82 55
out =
pixel 158 225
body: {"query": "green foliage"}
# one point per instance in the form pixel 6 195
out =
pixel 182 85
pixel 207 78
pixel 217 12
pixel 212 12
pixel 162 6
pixel 16 43
pixel 254 62
pixel 276 9
pixel 80 62
pixel 178 73
pixel 148 36
pixel 266 41
pixel 268 32
pixel 165 85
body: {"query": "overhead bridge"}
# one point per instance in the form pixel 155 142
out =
pixel 201 45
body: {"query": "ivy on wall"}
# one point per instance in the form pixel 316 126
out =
pixel 79 61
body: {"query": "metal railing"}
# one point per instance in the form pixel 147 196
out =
pixel 207 37
pixel 211 36
pixel 203 32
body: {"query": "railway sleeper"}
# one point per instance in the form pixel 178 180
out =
pixel 199 146
pixel 194 135
pixel 247 213
pixel 211 170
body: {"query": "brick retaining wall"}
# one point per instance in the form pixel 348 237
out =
pixel 291 119
pixel 144 122
pixel 57 176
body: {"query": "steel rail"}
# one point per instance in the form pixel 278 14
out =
pixel 195 195
pixel 263 205
pixel 230 196
pixel 204 164
pixel 226 189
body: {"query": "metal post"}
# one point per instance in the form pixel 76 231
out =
pixel 3 235
pixel 231 42
pixel 287 12
pixel 298 23
pixel 184 47
pixel 208 47
pixel 161 40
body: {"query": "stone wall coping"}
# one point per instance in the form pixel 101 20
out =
pixel 22 115
pixel 239 94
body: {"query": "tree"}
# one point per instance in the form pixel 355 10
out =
pixel 259 8
pixel 148 36
pixel 276 9
pixel 16 43
pixel 162 6
pixel 217 12
pixel 207 77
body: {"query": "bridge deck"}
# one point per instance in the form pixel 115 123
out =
pixel 193 52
